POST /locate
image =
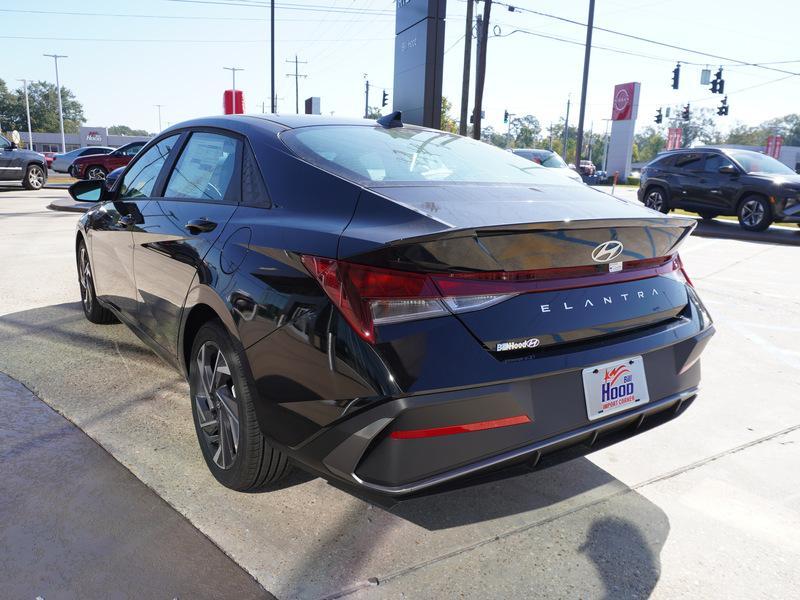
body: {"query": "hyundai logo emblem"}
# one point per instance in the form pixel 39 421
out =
pixel 607 251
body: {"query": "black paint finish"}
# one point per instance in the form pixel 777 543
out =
pixel 329 398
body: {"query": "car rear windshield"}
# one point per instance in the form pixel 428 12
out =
pixel 753 162
pixel 374 155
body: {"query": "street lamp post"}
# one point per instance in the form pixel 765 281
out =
pixel 158 106
pixel 28 113
pixel 55 58
pixel 233 72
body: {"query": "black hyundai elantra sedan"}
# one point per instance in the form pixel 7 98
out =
pixel 387 305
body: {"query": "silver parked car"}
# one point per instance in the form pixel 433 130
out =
pixel 549 159
pixel 63 161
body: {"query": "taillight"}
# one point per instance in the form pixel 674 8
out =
pixel 368 296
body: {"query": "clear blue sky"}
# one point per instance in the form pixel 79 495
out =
pixel 173 53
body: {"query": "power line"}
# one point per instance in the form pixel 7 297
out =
pixel 646 40
pixel 172 17
pixel 287 6
pixel 188 41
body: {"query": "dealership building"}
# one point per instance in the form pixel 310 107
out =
pixel 86 136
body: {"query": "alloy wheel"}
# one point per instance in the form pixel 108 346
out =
pixel 95 173
pixel 752 213
pixel 36 177
pixel 216 404
pixel 85 280
pixel 655 200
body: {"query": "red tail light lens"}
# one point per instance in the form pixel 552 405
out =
pixel 369 296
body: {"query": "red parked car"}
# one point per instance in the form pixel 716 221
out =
pixel 97 166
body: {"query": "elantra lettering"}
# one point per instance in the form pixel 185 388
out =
pixel 640 295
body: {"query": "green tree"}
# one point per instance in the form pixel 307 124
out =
pixel 490 136
pixel 374 112
pixel 648 143
pixel 448 121
pixel 44 108
pixel 125 130
pixel 701 126
pixel 525 131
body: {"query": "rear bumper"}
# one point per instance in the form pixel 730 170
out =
pixel 361 449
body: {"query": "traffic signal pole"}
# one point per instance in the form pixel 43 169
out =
pixel 582 112
pixel 480 75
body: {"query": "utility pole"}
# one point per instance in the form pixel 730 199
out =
pixel 480 75
pixel 605 148
pixel 366 97
pixel 462 125
pixel 272 54
pixel 582 112
pixel 551 136
pixel 566 131
pixel 233 71
pixel 28 113
pixel 158 106
pixel 297 77
pixel 55 57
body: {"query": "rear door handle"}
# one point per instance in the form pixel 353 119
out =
pixel 196 226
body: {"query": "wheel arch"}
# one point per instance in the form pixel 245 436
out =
pixel 749 194
pixel 202 305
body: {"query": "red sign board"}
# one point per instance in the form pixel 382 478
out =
pixel 774 145
pixel 622 109
pixel 227 102
pixel 674 138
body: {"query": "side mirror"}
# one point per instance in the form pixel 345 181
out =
pixel 89 190
pixel 13 146
pixel 728 169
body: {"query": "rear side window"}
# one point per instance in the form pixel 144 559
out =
pixel 205 169
pixel 138 182
pixel 690 162
pixel 663 162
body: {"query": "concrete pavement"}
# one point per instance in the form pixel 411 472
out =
pixel 703 506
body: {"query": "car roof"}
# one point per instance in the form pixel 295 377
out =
pixel 274 122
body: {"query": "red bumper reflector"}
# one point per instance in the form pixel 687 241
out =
pixel 410 434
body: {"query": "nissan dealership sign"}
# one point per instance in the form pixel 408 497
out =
pixel 94 136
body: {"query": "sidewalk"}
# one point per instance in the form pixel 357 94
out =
pixel 75 523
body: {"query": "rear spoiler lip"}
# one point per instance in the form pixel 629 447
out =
pixel 659 222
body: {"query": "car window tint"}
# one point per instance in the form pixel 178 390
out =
pixel 715 161
pixel 133 150
pixel 663 162
pixel 690 162
pixel 254 192
pixel 141 177
pixel 205 168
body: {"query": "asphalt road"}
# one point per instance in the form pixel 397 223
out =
pixel 705 506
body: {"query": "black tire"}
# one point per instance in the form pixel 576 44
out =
pixel 657 198
pixel 91 307
pixel 95 172
pixel 236 452
pixel 35 177
pixel 755 213
pixel 707 216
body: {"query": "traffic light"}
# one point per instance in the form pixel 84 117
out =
pixel 718 85
pixel 505 117
pixel 686 113
pixel 676 76
pixel 385 100
pixel 722 110
pixel 659 117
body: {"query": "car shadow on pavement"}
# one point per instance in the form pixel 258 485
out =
pixel 730 230
pixel 580 529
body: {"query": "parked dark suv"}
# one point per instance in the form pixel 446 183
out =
pixel 26 166
pixel 715 181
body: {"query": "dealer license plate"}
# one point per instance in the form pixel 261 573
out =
pixel 614 387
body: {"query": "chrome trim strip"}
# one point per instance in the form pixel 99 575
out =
pixel 677 399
